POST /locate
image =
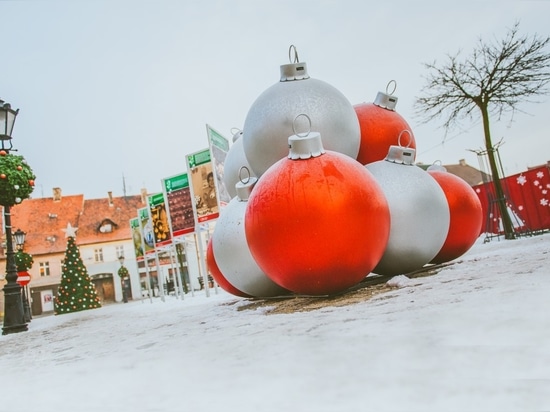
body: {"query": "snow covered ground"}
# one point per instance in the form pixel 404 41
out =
pixel 474 337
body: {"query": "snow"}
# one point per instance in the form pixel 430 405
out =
pixel 473 337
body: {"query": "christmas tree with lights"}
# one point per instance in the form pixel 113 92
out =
pixel 76 291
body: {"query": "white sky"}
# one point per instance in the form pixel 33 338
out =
pixel 473 337
pixel 108 88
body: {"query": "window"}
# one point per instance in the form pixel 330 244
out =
pixel 98 255
pixel 119 251
pixel 44 268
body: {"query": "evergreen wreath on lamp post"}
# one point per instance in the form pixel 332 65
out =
pixel 16 179
pixel 123 272
pixel 23 261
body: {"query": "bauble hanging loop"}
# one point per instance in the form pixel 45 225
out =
pixel 387 100
pixel 294 70
pixel 244 186
pixel 437 166
pixel 306 144
pixel 400 154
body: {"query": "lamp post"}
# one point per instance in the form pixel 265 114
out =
pixel 19 237
pixel 14 318
pixel 123 281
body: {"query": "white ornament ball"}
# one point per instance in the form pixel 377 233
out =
pixel 234 161
pixel 231 251
pixel 419 213
pixel 271 118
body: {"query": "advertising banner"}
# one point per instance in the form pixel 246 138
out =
pixel 135 228
pixel 179 206
pixel 203 186
pixel 219 146
pixel 159 220
pixel 146 227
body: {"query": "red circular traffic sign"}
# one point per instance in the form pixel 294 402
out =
pixel 23 278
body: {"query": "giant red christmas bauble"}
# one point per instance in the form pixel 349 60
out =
pixel 380 128
pixel 466 215
pixel 317 225
pixel 220 279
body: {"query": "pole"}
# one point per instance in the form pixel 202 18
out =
pixel 14 318
pixel 26 306
pixel 202 265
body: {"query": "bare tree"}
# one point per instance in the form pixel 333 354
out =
pixel 493 80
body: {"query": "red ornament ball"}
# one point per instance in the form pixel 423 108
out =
pixel 3 153
pixel 466 216
pixel 319 225
pixel 216 273
pixel 380 129
pixel 2 176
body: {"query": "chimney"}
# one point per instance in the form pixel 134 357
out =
pixel 143 195
pixel 462 162
pixel 57 194
pixel 110 195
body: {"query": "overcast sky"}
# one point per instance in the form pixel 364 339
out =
pixel 113 88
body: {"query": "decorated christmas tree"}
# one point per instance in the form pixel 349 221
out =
pixel 76 291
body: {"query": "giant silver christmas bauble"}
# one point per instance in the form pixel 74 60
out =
pixel 234 161
pixel 419 212
pixel 231 250
pixel 271 119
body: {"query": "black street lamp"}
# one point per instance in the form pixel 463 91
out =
pixel 14 317
pixel 123 280
pixel 19 237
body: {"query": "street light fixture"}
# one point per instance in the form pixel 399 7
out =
pixel 123 279
pixel 14 317
pixel 19 238
pixel 7 120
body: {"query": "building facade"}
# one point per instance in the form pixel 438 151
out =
pixel 103 236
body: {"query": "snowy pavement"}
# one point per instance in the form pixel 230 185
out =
pixel 474 337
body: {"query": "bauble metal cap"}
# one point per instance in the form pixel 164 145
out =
pixel 305 147
pixel 387 100
pixel 294 70
pixel 401 155
pixel 438 167
pixel 245 185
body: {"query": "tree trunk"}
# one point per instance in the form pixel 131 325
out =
pixel 501 199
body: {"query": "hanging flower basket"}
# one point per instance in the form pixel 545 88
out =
pixel 23 261
pixel 16 179
pixel 123 272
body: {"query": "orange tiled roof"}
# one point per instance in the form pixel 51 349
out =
pixel 117 212
pixel 44 219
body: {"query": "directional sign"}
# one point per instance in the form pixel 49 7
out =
pixel 23 278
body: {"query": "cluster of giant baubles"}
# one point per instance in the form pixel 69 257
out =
pixel 331 194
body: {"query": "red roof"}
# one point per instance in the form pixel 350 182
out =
pixel 44 219
pixel 103 213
